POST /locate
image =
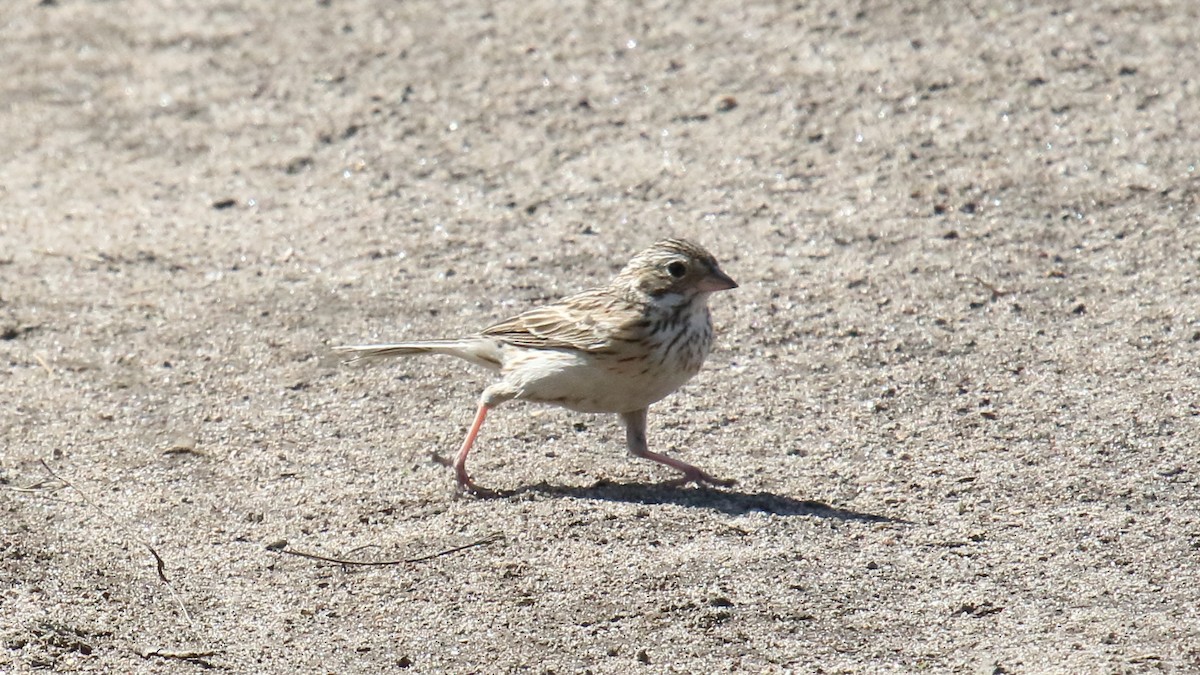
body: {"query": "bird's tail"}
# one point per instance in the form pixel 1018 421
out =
pixel 480 351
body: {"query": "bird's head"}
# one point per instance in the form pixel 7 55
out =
pixel 675 267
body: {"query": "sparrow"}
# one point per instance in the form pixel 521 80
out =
pixel 614 349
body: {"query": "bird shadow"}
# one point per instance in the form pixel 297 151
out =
pixel 732 502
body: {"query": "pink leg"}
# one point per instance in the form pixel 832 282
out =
pixel 635 435
pixel 460 461
pixel 691 472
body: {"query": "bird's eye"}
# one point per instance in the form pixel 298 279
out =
pixel 676 269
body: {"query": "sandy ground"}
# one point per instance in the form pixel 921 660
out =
pixel 959 385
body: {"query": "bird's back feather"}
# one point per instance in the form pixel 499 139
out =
pixel 591 321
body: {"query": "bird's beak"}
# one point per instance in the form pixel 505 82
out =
pixel 716 280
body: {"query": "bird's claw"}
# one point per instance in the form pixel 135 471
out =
pixel 699 478
pixel 468 488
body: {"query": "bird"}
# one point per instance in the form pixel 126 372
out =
pixel 613 349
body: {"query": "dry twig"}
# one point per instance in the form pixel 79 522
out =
pixel 199 656
pixel 41 361
pixel 159 566
pixel 995 291
pixel 282 547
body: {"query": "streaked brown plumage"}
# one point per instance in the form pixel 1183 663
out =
pixel 615 349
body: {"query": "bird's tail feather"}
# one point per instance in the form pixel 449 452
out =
pixel 478 351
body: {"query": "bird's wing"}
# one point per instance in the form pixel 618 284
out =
pixel 592 321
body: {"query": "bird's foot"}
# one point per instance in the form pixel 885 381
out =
pixel 694 475
pixel 467 487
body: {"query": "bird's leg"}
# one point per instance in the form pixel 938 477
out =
pixel 635 437
pixel 460 461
